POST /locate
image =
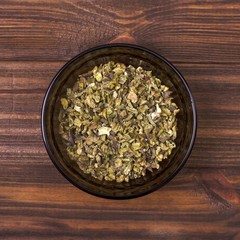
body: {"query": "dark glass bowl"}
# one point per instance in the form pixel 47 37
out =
pixel 136 56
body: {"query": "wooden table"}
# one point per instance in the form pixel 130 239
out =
pixel 201 38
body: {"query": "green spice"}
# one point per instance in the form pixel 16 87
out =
pixel 118 122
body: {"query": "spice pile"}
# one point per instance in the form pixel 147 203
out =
pixel 118 122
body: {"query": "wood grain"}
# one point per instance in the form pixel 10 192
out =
pixel 182 31
pixel 201 38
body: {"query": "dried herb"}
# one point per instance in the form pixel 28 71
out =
pixel 118 122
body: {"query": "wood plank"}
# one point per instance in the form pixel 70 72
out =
pixel 43 209
pixel 183 31
pixel 194 179
pixel 22 91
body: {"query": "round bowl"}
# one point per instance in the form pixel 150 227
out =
pixel 136 56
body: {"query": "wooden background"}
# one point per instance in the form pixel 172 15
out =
pixel 201 38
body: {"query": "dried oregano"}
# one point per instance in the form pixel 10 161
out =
pixel 118 122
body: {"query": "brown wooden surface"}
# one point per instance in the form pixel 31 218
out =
pixel 201 38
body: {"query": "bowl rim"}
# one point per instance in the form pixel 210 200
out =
pixel 112 45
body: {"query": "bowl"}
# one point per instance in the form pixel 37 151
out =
pixel 136 56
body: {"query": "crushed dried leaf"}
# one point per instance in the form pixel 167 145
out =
pixel 118 122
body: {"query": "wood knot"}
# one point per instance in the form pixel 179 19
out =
pixel 124 38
